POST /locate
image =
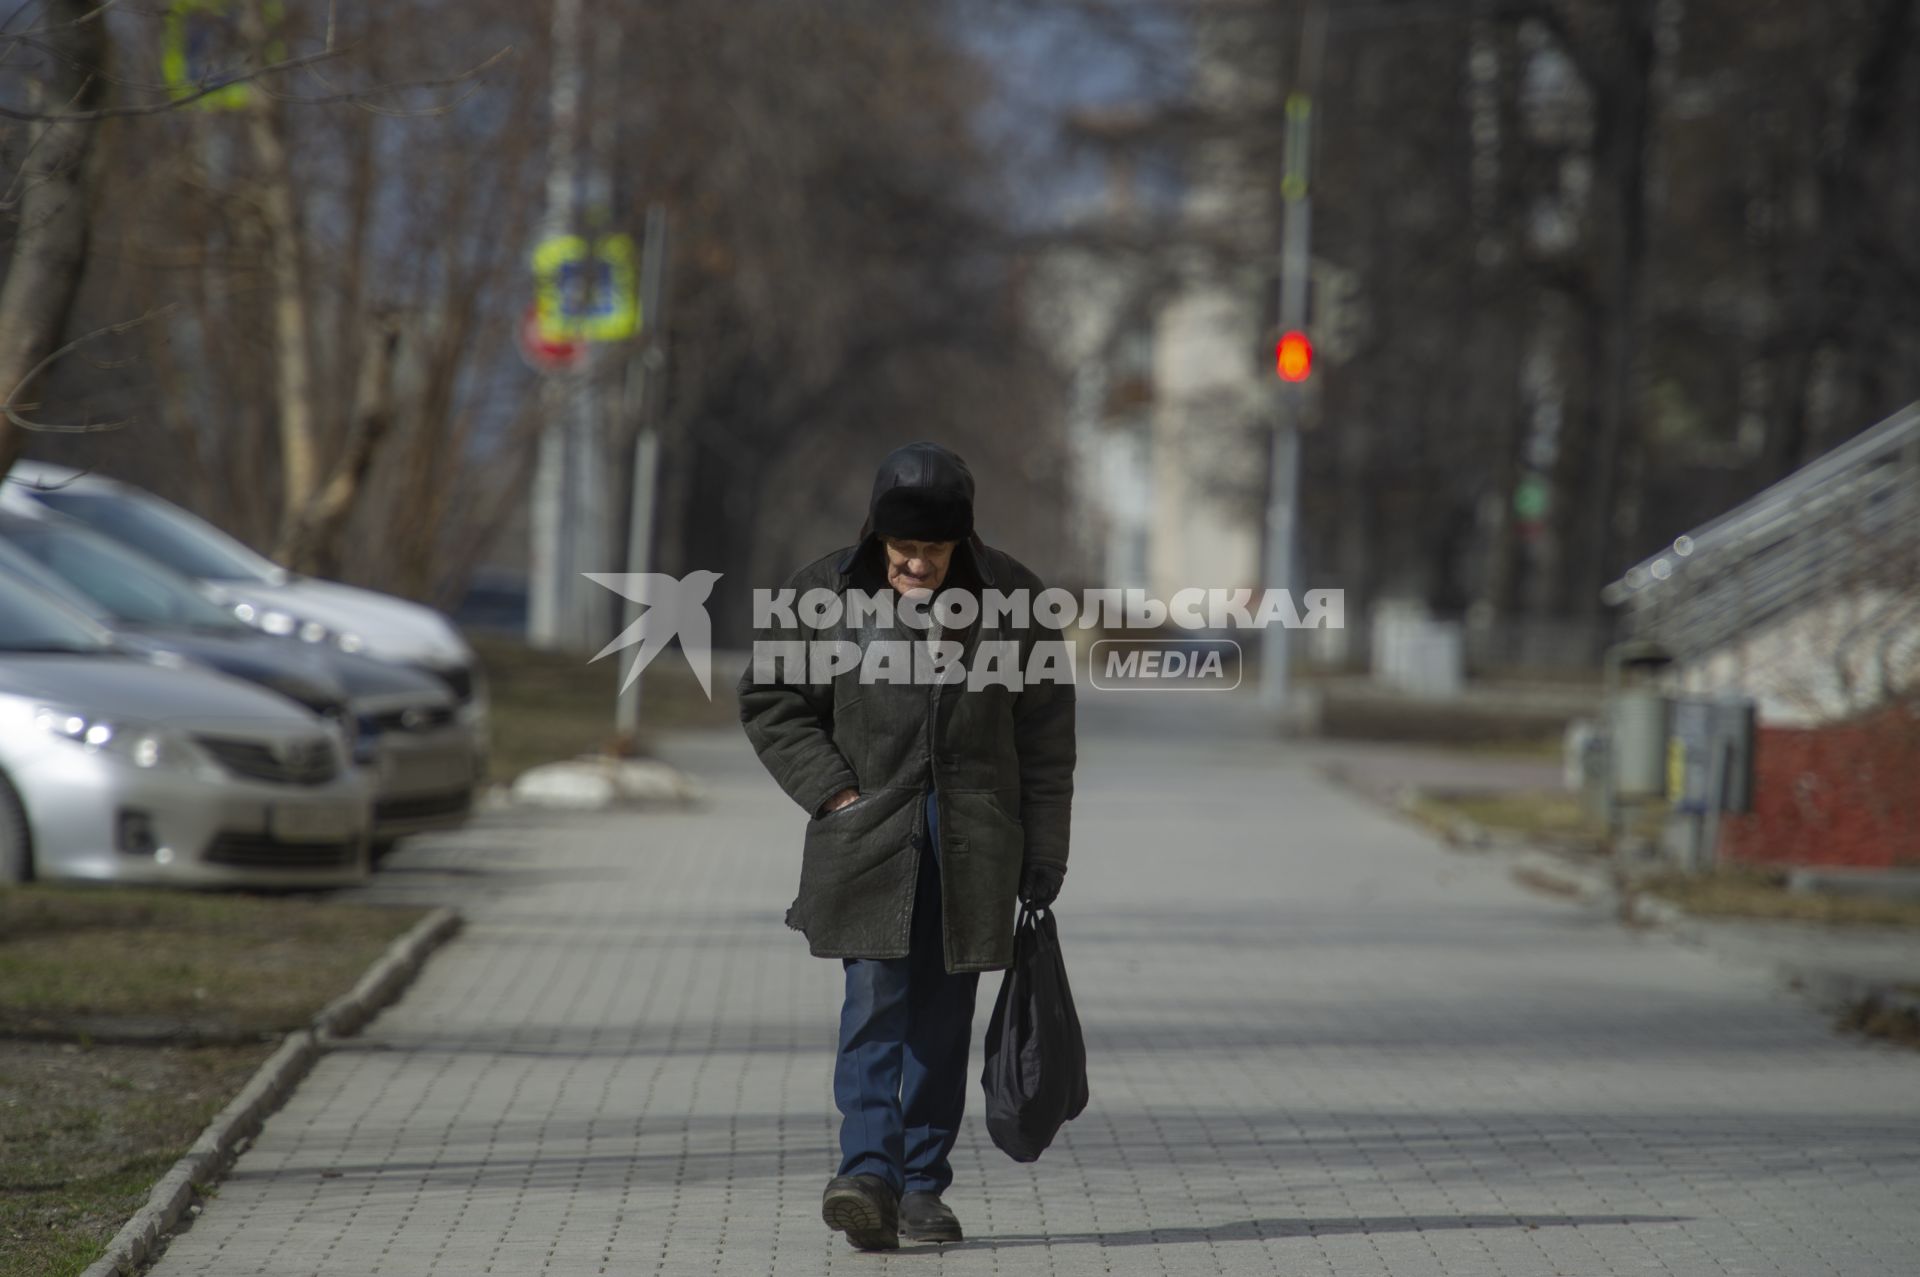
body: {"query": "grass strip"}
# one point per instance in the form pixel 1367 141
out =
pixel 127 1020
pixel 550 706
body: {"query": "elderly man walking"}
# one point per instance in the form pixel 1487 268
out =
pixel 930 807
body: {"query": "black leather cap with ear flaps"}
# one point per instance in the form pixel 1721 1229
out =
pixel 922 492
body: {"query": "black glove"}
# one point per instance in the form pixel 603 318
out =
pixel 1040 883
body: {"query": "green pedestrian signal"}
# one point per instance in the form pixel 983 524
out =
pixel 1531 498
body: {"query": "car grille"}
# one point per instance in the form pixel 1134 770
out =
pixel 422 719
pixel 264 851
pixel 423 806
pixel 307 762
pixel 458 678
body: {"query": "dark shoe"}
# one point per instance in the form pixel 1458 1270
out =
pixel 925 1218
pixel 865 1208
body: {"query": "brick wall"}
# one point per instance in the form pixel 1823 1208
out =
pixel 1839 794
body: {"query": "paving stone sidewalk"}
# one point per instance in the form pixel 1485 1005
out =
pixel 1320 1045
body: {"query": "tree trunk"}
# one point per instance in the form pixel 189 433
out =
pixel 50 249
pixel 1814 313
pixel 1623 124
pixel 312 544
pixel 292 336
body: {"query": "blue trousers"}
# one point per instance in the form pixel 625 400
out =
pixel 900 1080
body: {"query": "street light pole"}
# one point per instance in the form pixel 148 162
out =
pixel 552 574
pixel 591 496
pixel 1296 228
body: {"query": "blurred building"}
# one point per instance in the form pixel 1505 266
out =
pixel 1153 307
pixel 1806 599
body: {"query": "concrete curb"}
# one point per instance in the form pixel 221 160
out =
pixel 1832 992
pixel 139 1240
pixel 349 1013
pixel 1589 883
pixel 1597 885
pixel 1848 994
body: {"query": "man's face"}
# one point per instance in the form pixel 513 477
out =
pixel 917 565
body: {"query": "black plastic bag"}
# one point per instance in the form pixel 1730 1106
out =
pixel 1036 1074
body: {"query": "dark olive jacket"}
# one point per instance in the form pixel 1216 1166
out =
pixel 1000 760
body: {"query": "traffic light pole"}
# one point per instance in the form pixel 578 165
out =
pixel 1296 228
pixel 1283 486
pixel 646 445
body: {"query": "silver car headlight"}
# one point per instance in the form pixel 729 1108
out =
pixel 139 745
pixel 284 624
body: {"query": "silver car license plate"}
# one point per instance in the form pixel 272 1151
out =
pixel 312 822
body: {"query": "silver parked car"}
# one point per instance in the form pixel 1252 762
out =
pixel 260 591
pixel 113 769
pixel 405 726
pixel 418 749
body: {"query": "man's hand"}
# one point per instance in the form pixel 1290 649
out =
pixel 1040 884
pixel 839 800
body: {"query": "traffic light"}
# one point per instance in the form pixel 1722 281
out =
pixel 1293 356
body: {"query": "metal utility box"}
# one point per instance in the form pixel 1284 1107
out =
pixel 1637 729
pixel 1637 721
pixel 1710 773
pixel 1688 748
pixel 1710 756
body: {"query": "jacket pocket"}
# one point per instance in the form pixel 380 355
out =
pixel 864 798
pixel 851 827
pixel 854 874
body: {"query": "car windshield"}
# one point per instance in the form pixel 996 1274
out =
pixel 23 567
pixel 32 622
pixel 184 543
pixel 128 586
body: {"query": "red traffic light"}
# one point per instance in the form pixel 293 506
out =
pixel 1293 356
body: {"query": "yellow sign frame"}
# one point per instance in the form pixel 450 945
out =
pixel 551 259
pixel 178 73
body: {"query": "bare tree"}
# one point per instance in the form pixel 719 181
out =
pixel 845 278
pixel 339 260
pixel 49 198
